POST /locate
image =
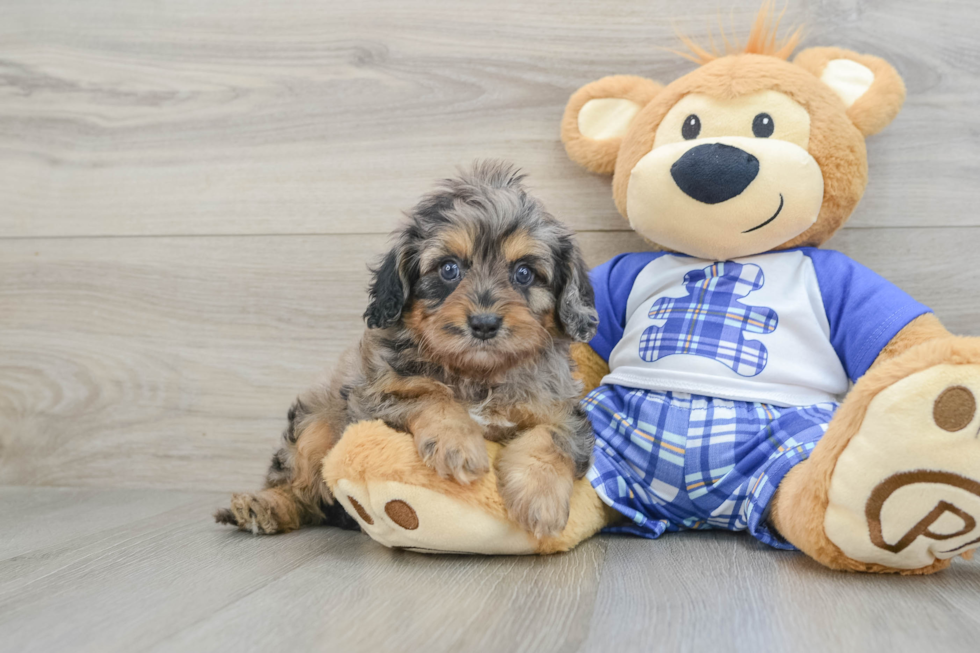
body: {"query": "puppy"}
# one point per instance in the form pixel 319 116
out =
pixel 470 320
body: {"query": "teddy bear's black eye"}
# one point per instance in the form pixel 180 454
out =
pixel 691 128
pixel 523 275
pixel 763 125
pixel 449 271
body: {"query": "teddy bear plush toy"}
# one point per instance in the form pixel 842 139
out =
pixel 741 378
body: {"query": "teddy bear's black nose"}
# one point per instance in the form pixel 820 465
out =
pixel 714 172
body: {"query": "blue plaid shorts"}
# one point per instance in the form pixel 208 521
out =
pixel 670 461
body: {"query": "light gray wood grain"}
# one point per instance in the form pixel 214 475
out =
pixel 128 586
pixel 55 515
pixel 173 581
pixel 179 582
pixel 725 591
pixel 135 117
pixel 170 362
pixel 370 599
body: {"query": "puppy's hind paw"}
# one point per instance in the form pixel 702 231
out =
pixel 260 514
pixel 224 516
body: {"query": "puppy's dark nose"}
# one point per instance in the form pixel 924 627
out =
pixel 485 325
pixel 714 172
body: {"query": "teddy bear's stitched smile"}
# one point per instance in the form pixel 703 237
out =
pixel 774 216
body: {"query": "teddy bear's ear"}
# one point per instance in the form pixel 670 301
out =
pixel 870 87
pixel 598 115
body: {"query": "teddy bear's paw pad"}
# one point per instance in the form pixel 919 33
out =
pixel 404 516
pixel 906 489
pixel 359 510
pixel 378 524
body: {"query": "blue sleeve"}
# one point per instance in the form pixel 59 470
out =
pixel 612 282
pixel 865 311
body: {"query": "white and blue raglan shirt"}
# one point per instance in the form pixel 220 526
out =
pixel 785 328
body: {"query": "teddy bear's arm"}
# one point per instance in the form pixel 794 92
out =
pixel 589 366
pixel 922 329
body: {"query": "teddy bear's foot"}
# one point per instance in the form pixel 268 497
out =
pixel 906 490
pixel 399 501
pixel 404 516
pixel 894 484
pixel 378 477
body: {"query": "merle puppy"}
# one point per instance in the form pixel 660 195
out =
pixel 470 320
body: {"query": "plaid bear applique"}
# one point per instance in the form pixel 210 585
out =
pixel 711 320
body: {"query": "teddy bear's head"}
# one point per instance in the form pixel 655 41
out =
pixel 746 154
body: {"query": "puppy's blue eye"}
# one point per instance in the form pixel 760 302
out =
pixel 449 271
pixel 523 275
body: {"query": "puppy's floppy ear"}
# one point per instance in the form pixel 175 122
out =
pixel 388 291
pixel 576 300
pixel 598 115
pixel 870 88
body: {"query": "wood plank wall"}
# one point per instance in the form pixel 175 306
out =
pixel 190 192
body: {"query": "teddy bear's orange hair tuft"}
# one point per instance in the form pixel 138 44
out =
pixel 762 39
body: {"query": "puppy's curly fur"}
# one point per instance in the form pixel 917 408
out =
pixel 470 320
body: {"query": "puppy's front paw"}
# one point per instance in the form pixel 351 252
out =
pixel 457 452
pixel 536 494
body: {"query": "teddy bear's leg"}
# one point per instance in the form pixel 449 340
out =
pixel 377 475
pixel 894 484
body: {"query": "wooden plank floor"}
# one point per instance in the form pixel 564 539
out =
pixel 189 195
pixel 115 570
